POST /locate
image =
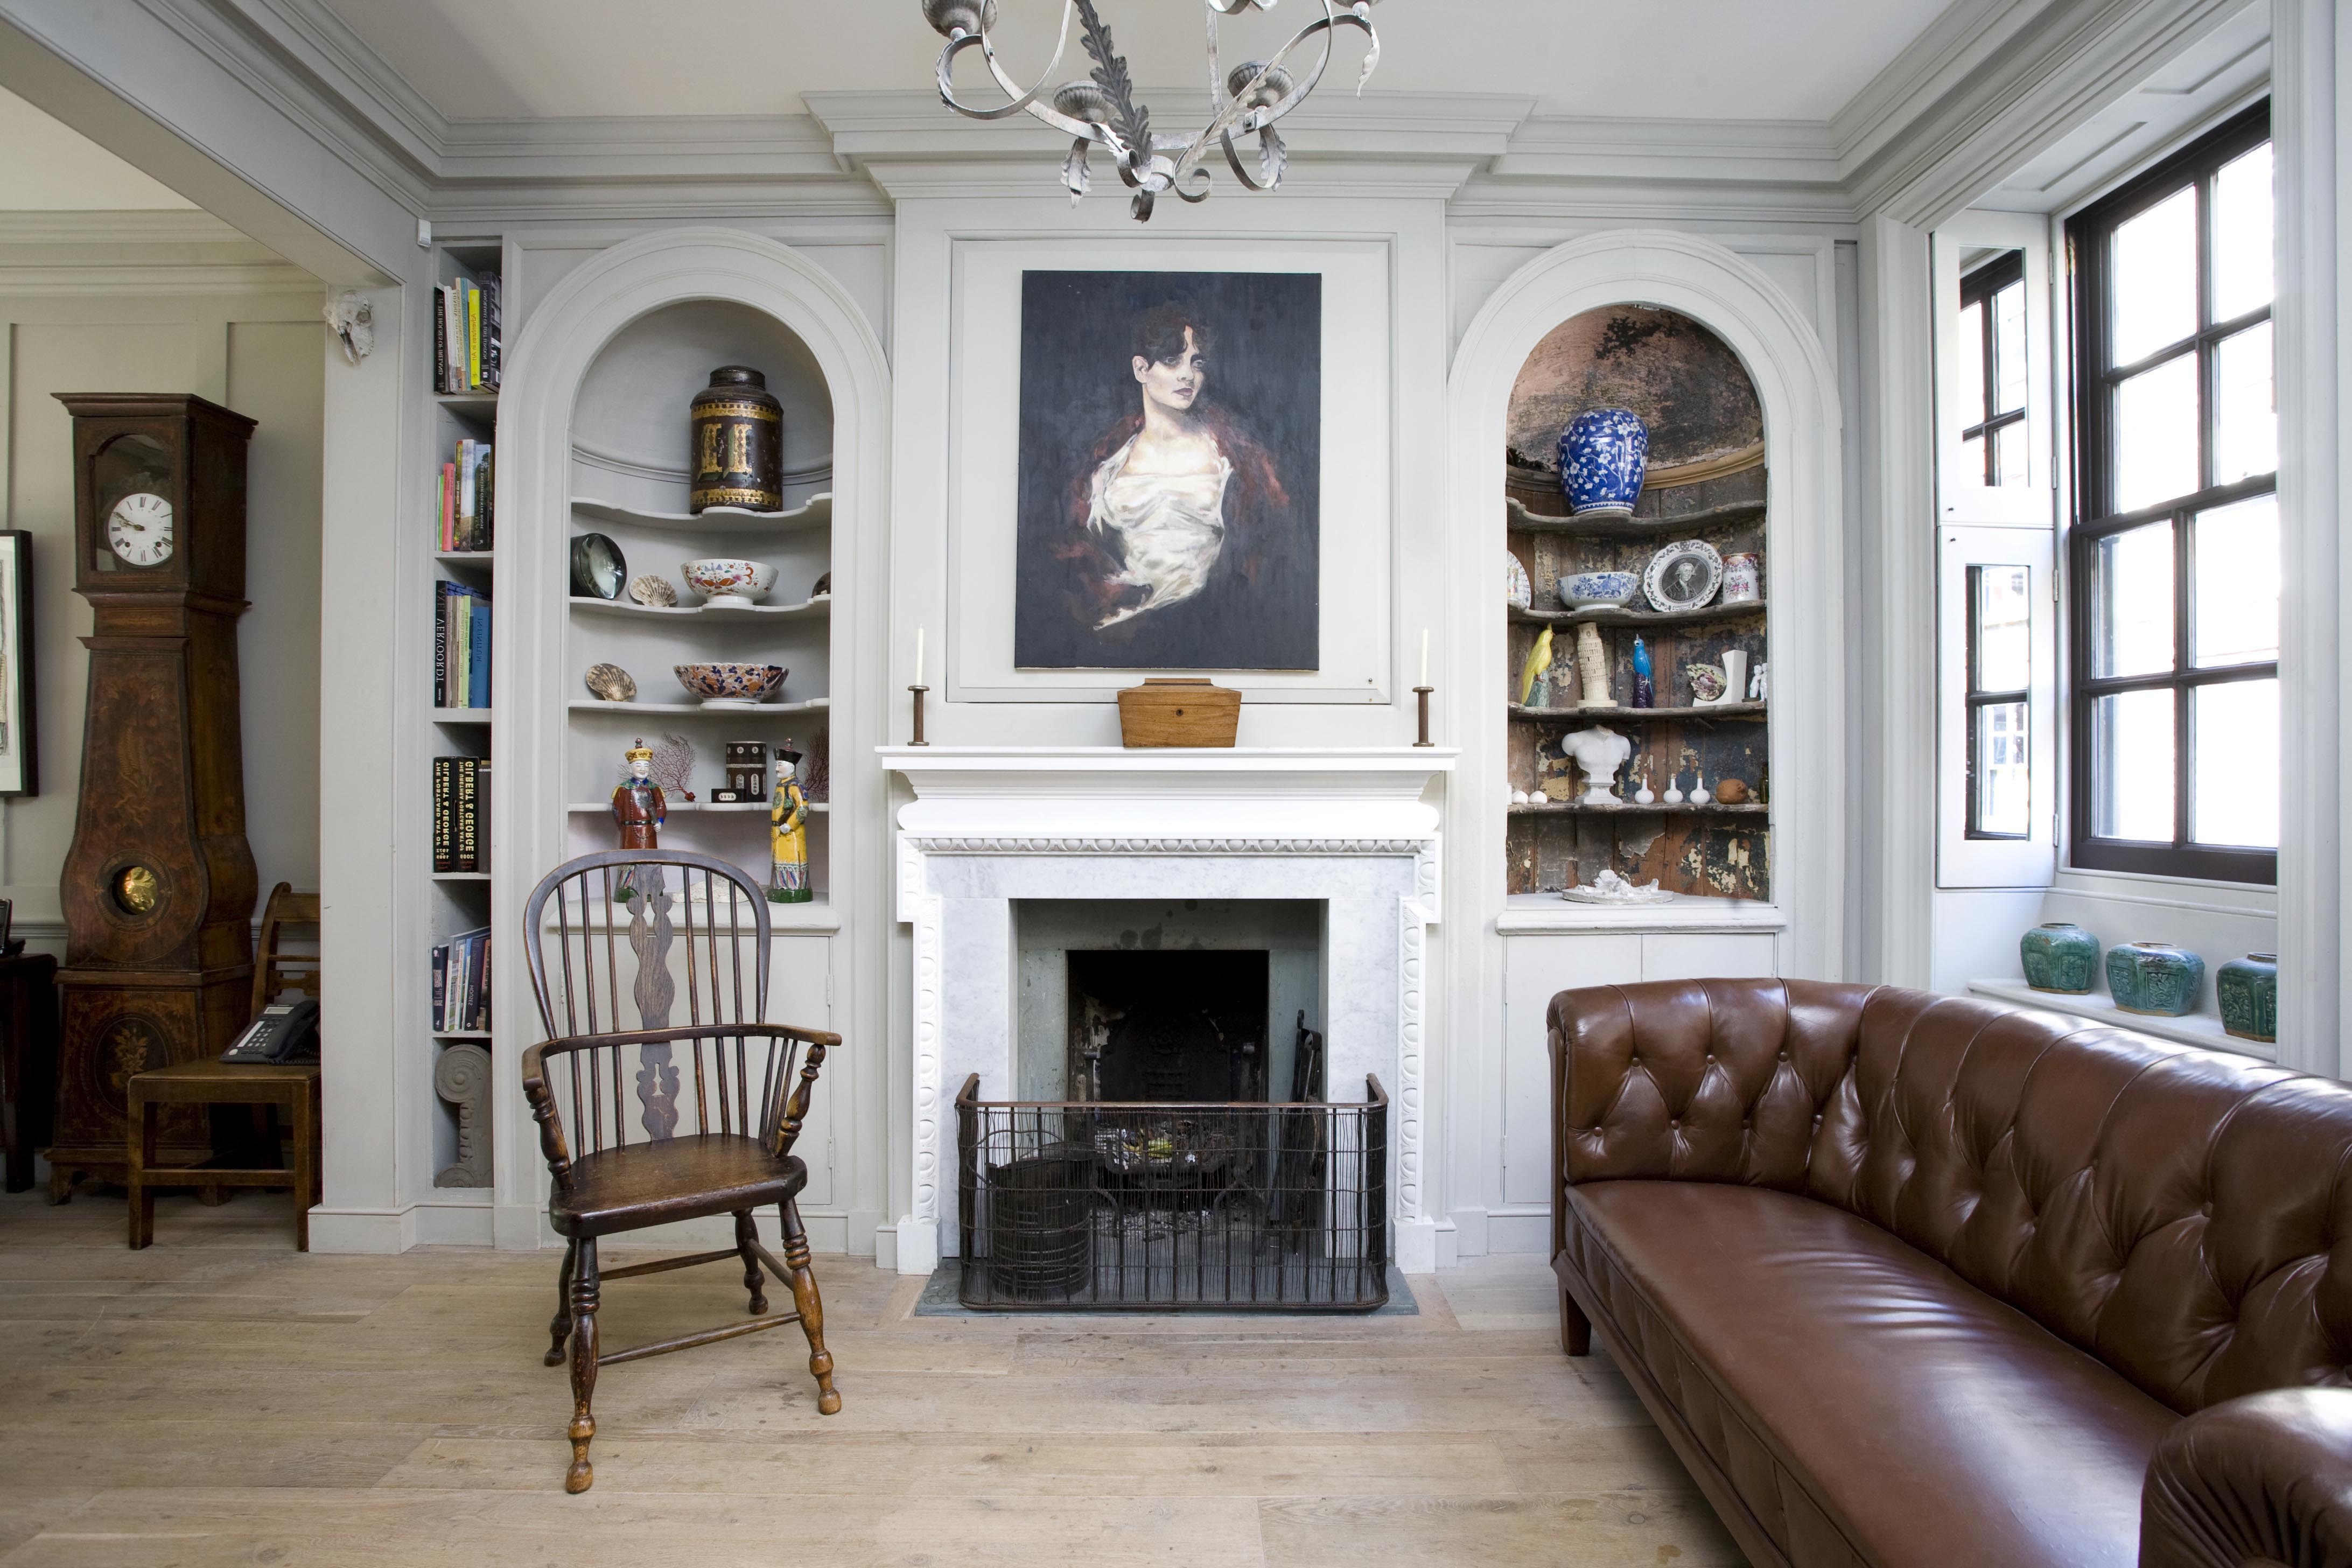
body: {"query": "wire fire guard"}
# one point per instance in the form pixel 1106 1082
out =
pixel 1239 1206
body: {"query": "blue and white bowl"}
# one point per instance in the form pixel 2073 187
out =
pixel 1587 590
pixel 1604 454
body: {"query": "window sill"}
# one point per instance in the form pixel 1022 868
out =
pixel 2199 1029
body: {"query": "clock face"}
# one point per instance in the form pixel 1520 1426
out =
pixel 138 530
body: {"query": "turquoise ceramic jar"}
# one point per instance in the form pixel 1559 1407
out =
pixel 2247 989
pixel 2060 957
pixel 2150 977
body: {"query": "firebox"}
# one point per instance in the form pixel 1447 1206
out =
pixel 1168 1026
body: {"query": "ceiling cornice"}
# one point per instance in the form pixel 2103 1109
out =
pixel 173 251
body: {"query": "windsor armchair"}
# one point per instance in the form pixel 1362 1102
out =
pixel 625 1148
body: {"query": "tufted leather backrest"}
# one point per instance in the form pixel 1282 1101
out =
pixel 2184 1216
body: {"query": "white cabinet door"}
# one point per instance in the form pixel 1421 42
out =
pixel 1535 970
pixel 1708 956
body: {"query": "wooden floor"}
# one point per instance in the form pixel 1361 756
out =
pixel 223 1399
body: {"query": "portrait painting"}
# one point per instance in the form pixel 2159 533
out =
pixel 1171 461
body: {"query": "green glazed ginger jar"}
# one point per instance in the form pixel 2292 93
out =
pixel 2150 977
pixel 2060 957
pixel 2247 989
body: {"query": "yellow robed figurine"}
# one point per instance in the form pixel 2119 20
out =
pixel 788 815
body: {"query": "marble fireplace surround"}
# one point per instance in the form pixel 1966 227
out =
pixel 989 825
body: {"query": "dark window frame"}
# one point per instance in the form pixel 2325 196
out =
pixel 1978 698
pixel 1979 287
pixel 2089 242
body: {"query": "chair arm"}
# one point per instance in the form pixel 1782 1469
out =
pixel 549 1120
pixel 675 1032
pixel 2263 1480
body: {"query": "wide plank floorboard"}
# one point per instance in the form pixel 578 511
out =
pixel 220 1398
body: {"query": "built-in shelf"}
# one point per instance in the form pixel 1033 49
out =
pixel 1636 715
pixel 461 876
pixel 2200 1029
pixel 1684 808
pixel 473 405
pixel 817 513
pixel 1610 615
pixel 1521 521
pixel 481 560
pixel 591 807
pixel 462 715
pixel 814 704
pixel 821 604
pixel 481 1035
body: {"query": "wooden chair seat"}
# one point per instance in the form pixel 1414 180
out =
pixel 676 1178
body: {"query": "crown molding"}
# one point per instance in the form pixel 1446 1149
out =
pixel 138 252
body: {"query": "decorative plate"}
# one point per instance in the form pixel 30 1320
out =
pixel 611 683
pixel 1517 590
pixel 1705 681
pixel 653 592
pixel 1683 576
pixel 598 567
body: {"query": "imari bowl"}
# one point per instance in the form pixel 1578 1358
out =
pixel 725 580
pixel 731 685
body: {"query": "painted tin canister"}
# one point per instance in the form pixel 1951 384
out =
pixel 739 443
pixel 2151 977
pixel 2060 957
pixel 2247 989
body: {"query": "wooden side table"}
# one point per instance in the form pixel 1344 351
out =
pixel 295 1086
pixel 28 1059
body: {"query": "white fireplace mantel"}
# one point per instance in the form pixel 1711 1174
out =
pixel 991 826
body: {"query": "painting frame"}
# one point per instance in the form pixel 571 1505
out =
pixel 1361 453
pixel 19 722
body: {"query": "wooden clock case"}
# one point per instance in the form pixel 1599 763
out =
pixel 162 785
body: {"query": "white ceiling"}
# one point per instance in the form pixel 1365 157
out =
pixel 51 167
pixel 1703 59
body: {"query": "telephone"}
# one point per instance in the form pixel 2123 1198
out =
pixel 286 1032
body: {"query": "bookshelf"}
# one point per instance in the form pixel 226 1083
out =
pixel 459 543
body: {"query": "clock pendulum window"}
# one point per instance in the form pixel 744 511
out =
pixel 159 885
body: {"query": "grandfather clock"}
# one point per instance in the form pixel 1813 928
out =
pixel 159 885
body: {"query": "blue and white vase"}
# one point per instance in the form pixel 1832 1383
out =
pixel 1604 454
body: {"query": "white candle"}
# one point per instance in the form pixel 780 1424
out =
pixel 918 655
pixel 1424 656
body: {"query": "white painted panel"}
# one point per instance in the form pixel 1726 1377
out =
pixel 798 992
pixel 1709 955
pixel 1535 970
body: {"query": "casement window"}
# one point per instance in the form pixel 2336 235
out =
pixel 2173 553
pixel 1993 372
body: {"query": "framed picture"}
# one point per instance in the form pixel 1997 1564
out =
pixel 18 731
pixel 1170 464
pixel 1296 386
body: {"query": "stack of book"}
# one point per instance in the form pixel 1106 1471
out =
pixel 466 336
pixel 461 813
pixel 461 647
pixel 466 511
pixel 461 983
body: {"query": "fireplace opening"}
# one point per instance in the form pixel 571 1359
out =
pixel 1168 1026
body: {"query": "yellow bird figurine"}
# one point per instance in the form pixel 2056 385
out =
pixel 1539 659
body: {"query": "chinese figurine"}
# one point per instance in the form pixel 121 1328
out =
pixel 788 815
pixel 638 809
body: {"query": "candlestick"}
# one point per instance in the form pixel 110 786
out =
pixel 919 656
pixel 1422 692
pixel 919 689
pixel 1424 656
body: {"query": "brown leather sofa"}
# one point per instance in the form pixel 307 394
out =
pixel 1912 1282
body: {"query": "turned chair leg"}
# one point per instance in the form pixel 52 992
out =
pixel 559 1327
pixel 811 1309
pixel 747 1241
pixel 584 1283
pixel 1575 1328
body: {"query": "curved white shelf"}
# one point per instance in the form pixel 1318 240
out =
pixel 814 704
pixel 820 605
pixel 594 807
pixel 818 513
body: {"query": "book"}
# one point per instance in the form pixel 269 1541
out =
pixel 440 986
pixel 440 341
pixel 473 338
pixel 478 653
pixel 492 331
pixel 444 842
pixel 441 644
pixel 448 506
pixel 465 851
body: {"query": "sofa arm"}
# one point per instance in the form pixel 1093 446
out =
pixel 1706 1081
pixel 2263 1481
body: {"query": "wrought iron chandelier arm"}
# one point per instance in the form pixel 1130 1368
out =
pixel 1240 113
pixel 1020 100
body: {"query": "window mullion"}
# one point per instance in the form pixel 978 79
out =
pixel 2183 741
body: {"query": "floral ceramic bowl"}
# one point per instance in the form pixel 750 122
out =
pixel 731 685
pixel 725 580
pixel 1585 590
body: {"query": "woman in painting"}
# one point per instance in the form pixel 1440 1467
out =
pixel 1180 523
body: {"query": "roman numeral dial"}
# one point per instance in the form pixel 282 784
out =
pixel 138 530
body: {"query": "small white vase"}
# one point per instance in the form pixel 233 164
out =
pixel 1735 675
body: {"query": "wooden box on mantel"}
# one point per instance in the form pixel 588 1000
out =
pixel 1179 712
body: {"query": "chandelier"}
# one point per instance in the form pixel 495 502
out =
pixel 1101 110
